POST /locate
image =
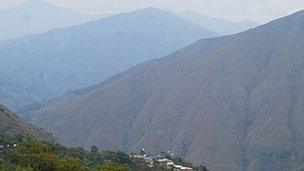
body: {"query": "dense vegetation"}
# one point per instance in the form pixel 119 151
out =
pixel 19 153
pixel 26 148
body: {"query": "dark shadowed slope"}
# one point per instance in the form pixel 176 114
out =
pixel 80 56
pixel 37 16
pixel 12 125
pixel 230 103
pixel 217 25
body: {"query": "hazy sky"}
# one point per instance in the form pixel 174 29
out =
pixel 254 10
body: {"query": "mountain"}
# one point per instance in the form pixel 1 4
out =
pixel 67 59
pixel 12 125
pixel 37 16
pixel 15 93
pixel 230 103
pixel 220 26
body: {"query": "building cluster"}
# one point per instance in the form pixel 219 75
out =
pixel 161 162
pixel 168 164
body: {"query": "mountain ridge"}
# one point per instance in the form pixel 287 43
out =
pixel 230 103
pixel 63 60
pixel 218 25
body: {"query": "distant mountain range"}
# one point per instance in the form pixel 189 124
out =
pixel 42 66
pixel 67 59
pixel 37 16
pixel 218 25
pixel 230 103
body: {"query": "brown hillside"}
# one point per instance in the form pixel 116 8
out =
pixel 230 103
pixel 12 125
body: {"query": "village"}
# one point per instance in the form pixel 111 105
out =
pixel 164 160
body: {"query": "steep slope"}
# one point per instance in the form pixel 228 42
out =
pixel 37 16
pixel 217 25
pixel 230 103
pixel 12 125
pixel 80 56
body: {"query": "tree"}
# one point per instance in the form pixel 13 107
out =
pixel 94 149
pixel 94 157
pixel 69 164
pixel 1 163
pixel 37 156
pixel 76 152
pixel 111 167
pixel 118 158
